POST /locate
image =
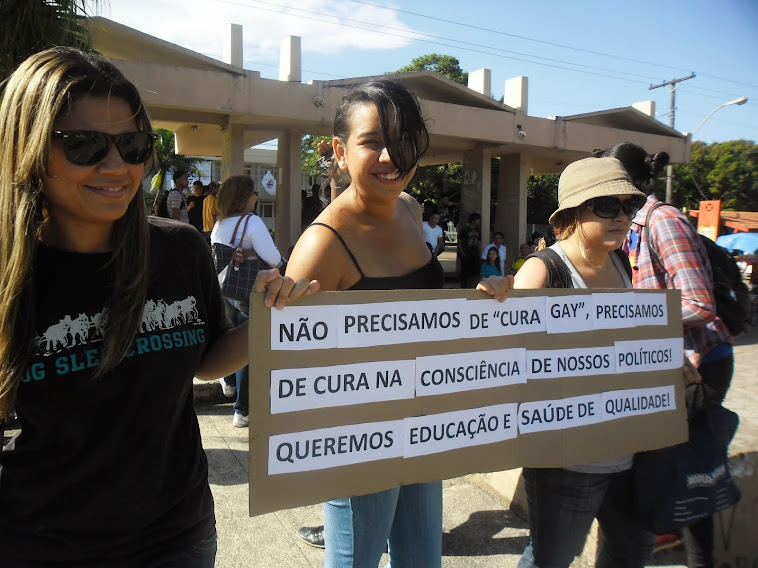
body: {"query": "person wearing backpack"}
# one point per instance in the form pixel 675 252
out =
pixel 172 204
pixel 666 252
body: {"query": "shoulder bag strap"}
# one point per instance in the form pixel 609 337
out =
pixel 244 230
pixel 237 226
pixel 558 274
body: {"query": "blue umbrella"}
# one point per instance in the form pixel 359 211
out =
pixel 745 242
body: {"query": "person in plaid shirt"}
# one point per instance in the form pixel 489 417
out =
pixel 683 264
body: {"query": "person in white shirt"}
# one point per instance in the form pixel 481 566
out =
pixel 497 242
pixel 236 213
pixel 433 234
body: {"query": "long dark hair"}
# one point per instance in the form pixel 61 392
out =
pixel 405 135
pixel 497 257
pixel 43 88
pixel 642 167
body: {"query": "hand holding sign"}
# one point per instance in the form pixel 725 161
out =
pixel 281 290
pixel 497 286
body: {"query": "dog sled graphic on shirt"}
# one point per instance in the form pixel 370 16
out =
pixel 83 329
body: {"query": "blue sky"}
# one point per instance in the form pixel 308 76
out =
pixel 580 55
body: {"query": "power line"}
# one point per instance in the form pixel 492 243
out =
pixel 544 42
pixel 751 85
pixel 461 42
pixel 415 37
pixel 253 61
pixel 721 97
pixel 337 23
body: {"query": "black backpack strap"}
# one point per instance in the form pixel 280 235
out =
pixel 558 274
pixel 624 258
pixel 653 255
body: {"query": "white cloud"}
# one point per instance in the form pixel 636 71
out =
pixel 326 27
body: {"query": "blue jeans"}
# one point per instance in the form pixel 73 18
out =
pixel 562 506
pixel 241 377
pixel 409 517
pixel 199 555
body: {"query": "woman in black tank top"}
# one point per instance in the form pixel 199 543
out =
pixel 371 238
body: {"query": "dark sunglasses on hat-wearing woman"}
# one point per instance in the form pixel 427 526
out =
pixel 609 207
pixel 88 147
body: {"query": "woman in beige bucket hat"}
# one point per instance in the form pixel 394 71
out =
pixel 596 204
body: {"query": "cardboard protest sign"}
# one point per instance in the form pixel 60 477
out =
pixel 356 392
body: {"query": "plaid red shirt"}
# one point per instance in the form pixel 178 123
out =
pixel 685 267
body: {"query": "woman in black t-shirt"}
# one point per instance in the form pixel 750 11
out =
pixel 100 335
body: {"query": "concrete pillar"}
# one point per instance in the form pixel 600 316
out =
pixel 517 93
pixel 481 81
pixel 511 203
pixel 648 107
pixel 475 189
pixel 233 46
pixel 288 201
pixel 232 151
pixel 290 66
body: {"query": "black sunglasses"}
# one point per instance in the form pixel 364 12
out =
pixel 610 207
pixel 88 147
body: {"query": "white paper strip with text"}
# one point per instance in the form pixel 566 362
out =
pixel 457 372
pixel 578 362
pixel 392 323
pixel 340 385
pixel 649 354
pixel 633 402
pixel 296 328
pixel 437 433
pixel 487 318
pixel 332 447
pixel 542 415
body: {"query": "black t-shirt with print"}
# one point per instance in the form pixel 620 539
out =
pixel 471 240
pixel 110 471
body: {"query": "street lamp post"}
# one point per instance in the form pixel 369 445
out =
pixel 670 172
pixel 739 101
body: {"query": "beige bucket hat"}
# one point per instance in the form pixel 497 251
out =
pixel 592 177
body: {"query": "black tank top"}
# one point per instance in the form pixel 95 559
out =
pixel 429 276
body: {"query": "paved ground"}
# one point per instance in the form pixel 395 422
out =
pixel 479 531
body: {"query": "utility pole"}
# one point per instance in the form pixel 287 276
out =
pixel 670 168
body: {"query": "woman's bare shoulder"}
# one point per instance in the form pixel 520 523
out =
pixel 320 254
pixel 531 275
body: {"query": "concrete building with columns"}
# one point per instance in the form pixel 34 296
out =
pixel 217 108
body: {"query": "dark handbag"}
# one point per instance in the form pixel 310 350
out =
pixel 676 486
pixel 236 272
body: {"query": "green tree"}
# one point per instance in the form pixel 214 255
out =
pixel 29 26
pixel 541 198
pixel 167 160
pixel 309 152
pixel 725 170
pixel 431 182
pixel 446 65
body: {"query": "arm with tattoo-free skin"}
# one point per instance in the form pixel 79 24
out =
pixel 229 352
